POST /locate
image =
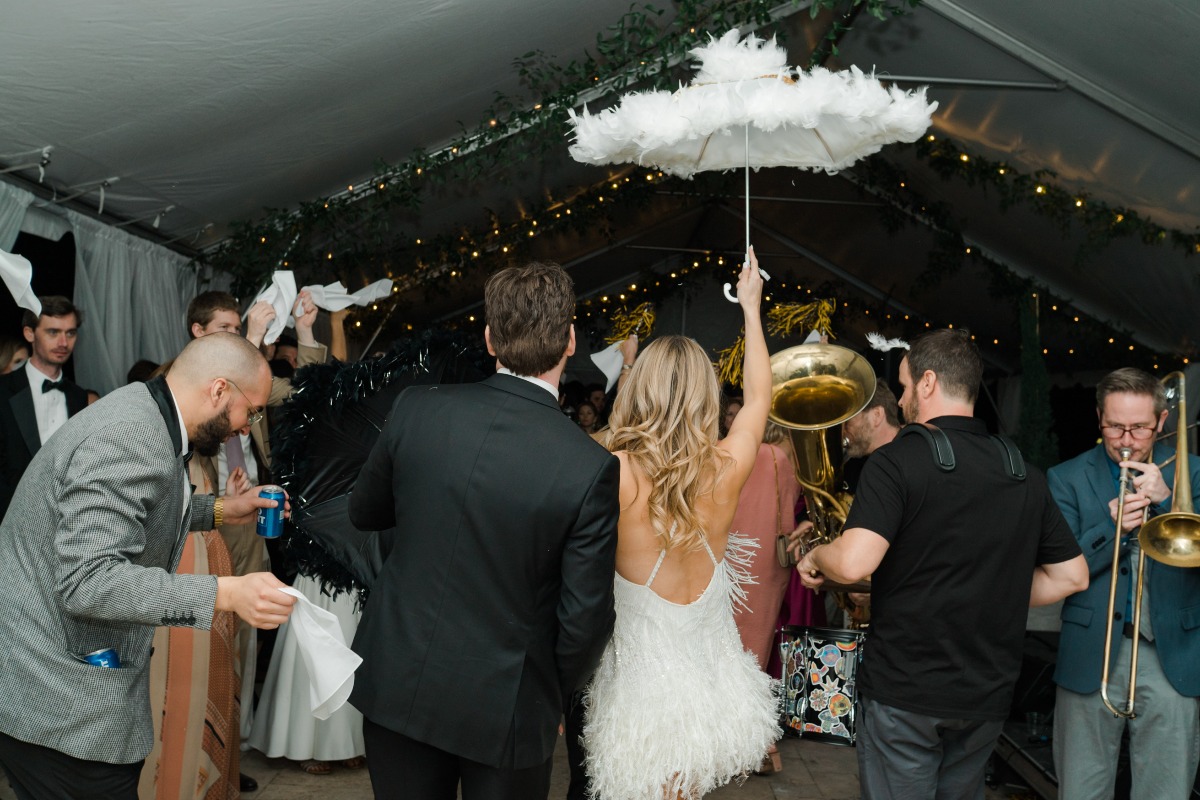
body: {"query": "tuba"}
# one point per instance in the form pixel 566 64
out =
pixel 814 389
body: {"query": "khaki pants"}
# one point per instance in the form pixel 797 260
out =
pixel 248 553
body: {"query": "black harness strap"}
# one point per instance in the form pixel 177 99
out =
pixel 939 443
pixel 943 453
pixel 1014 462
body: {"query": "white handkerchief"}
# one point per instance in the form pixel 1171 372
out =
pixel 330 663
pixel 281 294
pixel 18 273
pixel 334 297
pixel 609 361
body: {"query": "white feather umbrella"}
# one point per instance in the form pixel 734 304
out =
pixel 747 108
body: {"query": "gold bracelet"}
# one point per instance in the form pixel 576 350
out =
pixel 218 512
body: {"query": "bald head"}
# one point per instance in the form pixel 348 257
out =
pixel 220 383
pixel 219 355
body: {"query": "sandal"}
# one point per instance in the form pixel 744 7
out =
pixel 358 762
pixel 771 763
pixel 314 767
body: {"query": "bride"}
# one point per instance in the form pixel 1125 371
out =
pixel 677 706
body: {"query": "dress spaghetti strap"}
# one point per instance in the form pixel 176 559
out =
pixel 654 572
pixel 662 554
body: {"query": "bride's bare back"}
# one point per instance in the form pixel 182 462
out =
pixel 684 575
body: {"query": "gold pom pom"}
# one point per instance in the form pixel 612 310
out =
pixel 730 360
pixel 624 322
pixel 785 318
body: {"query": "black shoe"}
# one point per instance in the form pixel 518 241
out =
pixel 248 784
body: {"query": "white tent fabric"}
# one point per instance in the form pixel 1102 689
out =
pixel 134 296
pixel 13 203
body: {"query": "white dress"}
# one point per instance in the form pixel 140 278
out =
pixel 283 722
pixel 677 702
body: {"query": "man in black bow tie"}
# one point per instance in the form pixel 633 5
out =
pixel 35 401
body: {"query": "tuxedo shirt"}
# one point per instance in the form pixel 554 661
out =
pixel 50 407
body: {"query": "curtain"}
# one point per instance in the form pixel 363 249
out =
pixel 133 295
pixel 13 202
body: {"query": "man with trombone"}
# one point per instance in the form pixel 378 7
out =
pixel 1111 630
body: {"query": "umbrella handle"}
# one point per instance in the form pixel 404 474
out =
pixel 731 297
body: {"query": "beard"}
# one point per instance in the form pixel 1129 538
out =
pixel 212 433
pixel 912 411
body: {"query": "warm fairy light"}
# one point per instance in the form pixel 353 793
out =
pixel 1077 319
pixel 358 323
pixel 1040 190
pixel 418 241
pixel 471 318
pixel 504 249
pixel 964 157
pixel 1078 203
pixel 968 251
pixel 931 137
pixel 418 170
pixel 329 256
pixel 633 287
pixel 995 341
pixel 474 254
pixel 1045 351
pixel 1110 340
pixel 1120 217
pixel 492 122
pixel 1001 170
pixel 350 188
pixel 1130 347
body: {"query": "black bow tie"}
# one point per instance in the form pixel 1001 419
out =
pixel 49 385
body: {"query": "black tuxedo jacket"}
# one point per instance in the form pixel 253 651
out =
pixel 496 598
pixel 19 438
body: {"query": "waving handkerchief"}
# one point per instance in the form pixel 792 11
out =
pixel 18 273
pixel 281 294
pixel 609 361
pixel 334 297
pixel 330 663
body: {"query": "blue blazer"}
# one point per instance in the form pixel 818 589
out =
pixel 1082 487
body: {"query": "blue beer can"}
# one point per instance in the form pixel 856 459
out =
pixel 103 658
pixel 270 520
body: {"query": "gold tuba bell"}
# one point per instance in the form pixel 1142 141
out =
pixel 814 389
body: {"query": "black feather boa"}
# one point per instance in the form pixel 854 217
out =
pixel 324 389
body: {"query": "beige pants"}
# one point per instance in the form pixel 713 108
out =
pixel 248 553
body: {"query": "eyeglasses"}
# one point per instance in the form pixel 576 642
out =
pixel 252 417
pixel 1141 432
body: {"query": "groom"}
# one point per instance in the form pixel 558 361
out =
pixel 496 599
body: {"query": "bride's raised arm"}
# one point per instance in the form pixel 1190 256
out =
pixel 746 432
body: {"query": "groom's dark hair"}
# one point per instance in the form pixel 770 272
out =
pixel 529 311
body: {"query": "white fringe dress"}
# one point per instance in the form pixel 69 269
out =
pixel 677 703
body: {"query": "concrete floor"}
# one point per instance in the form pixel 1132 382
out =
pixel 811 771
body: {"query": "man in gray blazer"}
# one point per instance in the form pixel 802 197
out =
pixel 87 553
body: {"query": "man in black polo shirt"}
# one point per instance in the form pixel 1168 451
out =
pixel 957 556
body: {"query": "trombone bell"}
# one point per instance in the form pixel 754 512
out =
pixel 1174 539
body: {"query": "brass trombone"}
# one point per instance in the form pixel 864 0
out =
pixel 1172 539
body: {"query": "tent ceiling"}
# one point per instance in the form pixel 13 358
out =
pixel 223 108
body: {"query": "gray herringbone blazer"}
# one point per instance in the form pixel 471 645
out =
pixel 87 549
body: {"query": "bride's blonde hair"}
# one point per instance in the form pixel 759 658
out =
pixel 665 417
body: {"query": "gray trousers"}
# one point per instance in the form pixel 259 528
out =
pixel 903 755
pixel 1164 737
